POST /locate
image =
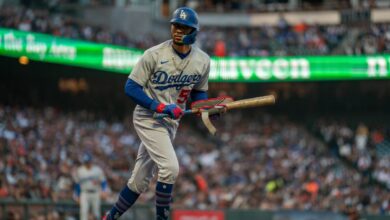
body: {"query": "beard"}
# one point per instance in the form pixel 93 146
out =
pixel 178 43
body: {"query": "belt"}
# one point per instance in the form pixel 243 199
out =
pixel 90 190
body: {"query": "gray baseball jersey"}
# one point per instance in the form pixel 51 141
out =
pixel 90 183
pixel 90 179
pixel 168 79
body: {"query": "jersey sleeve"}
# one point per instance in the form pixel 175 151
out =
pixel 203 84
pixel 142 70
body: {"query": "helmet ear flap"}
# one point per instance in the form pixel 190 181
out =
pixel 190 38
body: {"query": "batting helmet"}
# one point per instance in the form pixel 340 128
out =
pixel 188 17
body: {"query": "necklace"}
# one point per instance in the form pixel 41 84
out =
pixel 181 65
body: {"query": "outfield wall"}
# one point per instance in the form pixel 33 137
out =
pixel 28 208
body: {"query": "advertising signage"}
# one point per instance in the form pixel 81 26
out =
pixel 118 59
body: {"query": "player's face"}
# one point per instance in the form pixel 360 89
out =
pixel 178 31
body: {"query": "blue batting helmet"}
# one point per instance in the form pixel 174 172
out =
pixel 188 17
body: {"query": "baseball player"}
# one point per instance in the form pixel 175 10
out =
pixel 90 183
pixel 162 81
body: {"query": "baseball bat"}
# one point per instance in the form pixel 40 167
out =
pixel 247 103
pixel 243 103
pixel 163 115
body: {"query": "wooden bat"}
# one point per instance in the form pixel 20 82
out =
pixel 243 103
pixel 229 105
pixel 246 103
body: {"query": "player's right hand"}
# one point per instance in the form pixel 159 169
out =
pixel 173 111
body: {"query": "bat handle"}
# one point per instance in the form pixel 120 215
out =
pixel 163 115
pixel 160 115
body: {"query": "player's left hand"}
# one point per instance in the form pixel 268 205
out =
pixel 216 116
pixel 222 108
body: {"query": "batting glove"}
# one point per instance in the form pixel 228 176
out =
pixel 172 109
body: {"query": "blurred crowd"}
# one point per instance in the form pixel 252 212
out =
pixel 271 163
pixel 58 24
pixel 41 150
pixel 373 39
pixel 49 3
pixel 263 162
pixel 281 40
pixel 247 6
pixel 253 6
pixel 366 147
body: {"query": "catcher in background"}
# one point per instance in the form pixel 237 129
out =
pixel 90 186
pixel 162 81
